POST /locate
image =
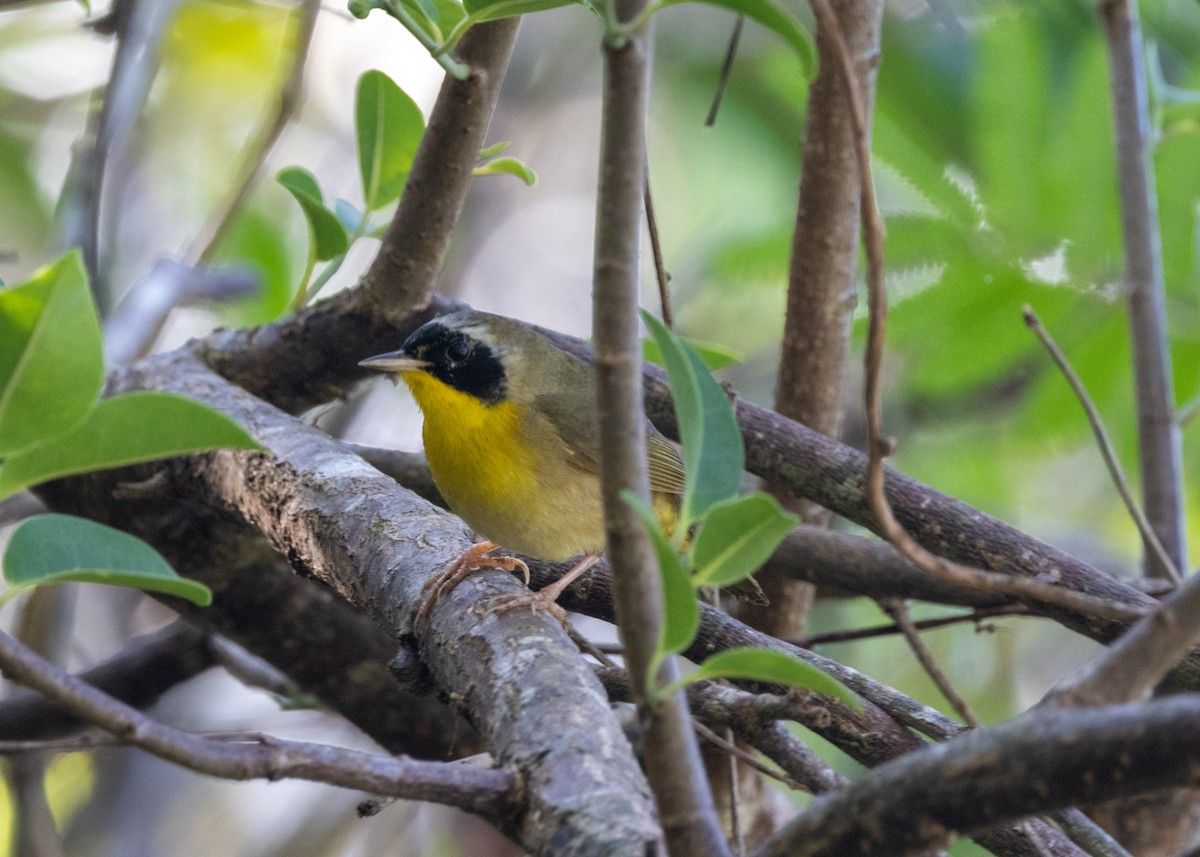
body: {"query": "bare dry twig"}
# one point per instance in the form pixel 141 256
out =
pixel 976 616
pixel 898 610
pixel 1150 538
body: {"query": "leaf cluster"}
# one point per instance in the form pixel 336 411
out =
pixel 53 423
pixel 733 534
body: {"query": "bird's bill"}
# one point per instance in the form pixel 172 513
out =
pixel 394 361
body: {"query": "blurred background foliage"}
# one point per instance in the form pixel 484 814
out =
pixel 995 169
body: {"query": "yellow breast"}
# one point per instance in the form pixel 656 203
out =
pixel 512 487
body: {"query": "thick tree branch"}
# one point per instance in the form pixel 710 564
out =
pixel 343 522
pixel 1040 761
pixel 318 640
pixel 487 792
pixel 822 279
pixel 402 277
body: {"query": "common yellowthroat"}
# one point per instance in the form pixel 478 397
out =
pixel 513 443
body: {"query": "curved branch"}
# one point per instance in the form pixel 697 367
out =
pixel 489 793
pixel 148 667
pixel 1044 760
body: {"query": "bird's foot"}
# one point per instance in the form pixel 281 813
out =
pixel 475 557
pixel 546 598
pixel 533 600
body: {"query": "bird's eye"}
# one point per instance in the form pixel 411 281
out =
pixel 458 350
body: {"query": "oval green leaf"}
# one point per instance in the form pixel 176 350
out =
pixel 681 617
pixel 774 16
pixel 714 355
pixel 51 354
pixel 507 166
pixel 755 664
pixel 737 536
pixel 494 10
pixel 126 429
pixel 389 126
pixel 61 548
pixel 713 454
pixel 493 150
pixel 328 237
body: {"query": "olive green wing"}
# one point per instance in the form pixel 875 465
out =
pixel 579 431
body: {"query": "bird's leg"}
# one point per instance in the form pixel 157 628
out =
pixel 475 557
pixel 547 597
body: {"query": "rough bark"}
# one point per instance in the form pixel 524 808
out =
pixel 339 520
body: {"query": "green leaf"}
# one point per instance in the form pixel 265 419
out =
pixel 388 126
pixel 681 617
pixel 713 454
pixel 121 430
pixel 328 237
pixel 714 355
pixel 755 664
pixel 428 9
pixel 256 239
pixel 61 548
pixel 494 10
pixel 507 166
pixel 493 150
pixel 349 216
pixel 737 536
pixel 774 16
pixel 51 354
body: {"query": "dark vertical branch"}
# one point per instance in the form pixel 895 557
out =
pixel 672 756
pixel 822 280
pixel 1169 824
pixel 402 277
pixel 1158 434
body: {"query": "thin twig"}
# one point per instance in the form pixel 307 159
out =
pixel 596 650
pixel 726 68
pixel 140 27
pixel 206 243
pixel 898 610
pixel 879 446
pixel 976 616
pixel 1150 538
pixel 736 752
pixel 96 740
pixel 735 799
pixel 1087 834
pixel 250 669
pixel 488 792
pixel 661 274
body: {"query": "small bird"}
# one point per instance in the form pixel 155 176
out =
pixel 513 444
